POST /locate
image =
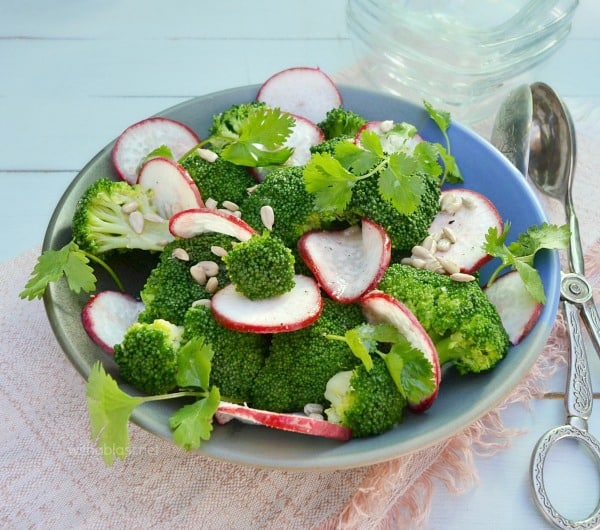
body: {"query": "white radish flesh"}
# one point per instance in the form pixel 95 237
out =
pixel 190 223
pixel 304 91
pixel 518 310
pixel 347 263
pixel 174 190
pixel 143 137
pixel 293 310
pixel 107 315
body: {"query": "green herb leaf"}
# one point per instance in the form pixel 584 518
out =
pixel 520 254
pixel 417 373
pixel 401 184
pixel 370 141
pixel 355 159
pixel 52 265
pixel 329 181
pixel 193 423
pixel 262 136
pixel 194 364
pixel 441 118
pixel 162 151
pixel 109 409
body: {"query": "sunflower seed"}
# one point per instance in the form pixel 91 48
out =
pixel 313 408
pixel 443 245
pixel 421 252
pixel 469 203
pixel 198 273
pixel 211 204
pixel 449 234
pixel 231 206
pixel 136 221
pixel 207 154
pixel 449 266
pixel 218 251
pixel 203 302
pixel 430 244
pixel 267 216
pixel 212 285
pixel 462 277
pixel 210 268
pixel 180 254
pixel 154 218
pixel 129 207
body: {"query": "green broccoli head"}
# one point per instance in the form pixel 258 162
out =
pixel 463 324
pixel 301 362
pixel 147 356
pixel 238 357
pixel 226 126
pixel 341 122
pixel 366 401
pixel 329 146
pixel 220 180
pixel 261 267
pixel 405 231
pixel 115 215
pixel 294 208
pixel 170 288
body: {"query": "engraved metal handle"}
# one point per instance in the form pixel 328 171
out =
pixel 578 403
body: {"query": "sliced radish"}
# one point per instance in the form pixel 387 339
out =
pixel 460 228
pixel 379 307
pixel 190 223
pixel 518 310
pixel 391 141
pixel 304 91
pixel 347 263
pixel 304 135
pixel 174 190
pixel 143 137
pixel 296 309
pixel 107 315
pixel 281 421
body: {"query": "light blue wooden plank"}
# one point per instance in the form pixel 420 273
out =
pixel 180 19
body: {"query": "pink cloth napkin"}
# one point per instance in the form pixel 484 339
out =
pixel 54 478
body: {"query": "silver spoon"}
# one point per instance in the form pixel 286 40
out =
pixel 550 165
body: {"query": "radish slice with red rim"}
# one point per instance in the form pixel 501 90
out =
pixel 174 190
pixel 191 223
pixel 347 263
pixel 518 310
pixel 305 91
pixel 143 137
pixel 107 315
pixel 282 421
pixel 293 310
pixel 461 226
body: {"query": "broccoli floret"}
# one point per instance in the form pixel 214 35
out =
pixel 220 180
pixel 238 357
pixel 261 267
pixel 328 146
pixel 301 362
pixel 227 125
pixel 405 231
pixel 463 324
pixel 341 122
pixel 101 223
pixel 367 402
pixel 283 189
pixel 147 356
pixel 170 288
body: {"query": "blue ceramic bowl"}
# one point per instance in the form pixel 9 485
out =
pixel 462 399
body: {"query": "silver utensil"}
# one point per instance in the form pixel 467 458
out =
pixel 550 166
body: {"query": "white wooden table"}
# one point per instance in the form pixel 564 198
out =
pixel 74 74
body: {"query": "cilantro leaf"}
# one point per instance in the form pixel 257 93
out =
pixel 109 410
pixel 417 375
pixel 69 262
pixel 370 141
pixel 194 364
pixel 355 159
pixel 262 136
pixel 520 254
pixel 401 183
pixel 193 423
pixel 329 181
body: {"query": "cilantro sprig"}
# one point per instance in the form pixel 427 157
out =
pixel 259 140
pixel 399 166
pixel 69 262
pixel 110 408
pixel 520 254
pixel 411 372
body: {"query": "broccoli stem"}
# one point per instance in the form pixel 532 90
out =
pixel 107 268
pixel 447 350
pixel 175 395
